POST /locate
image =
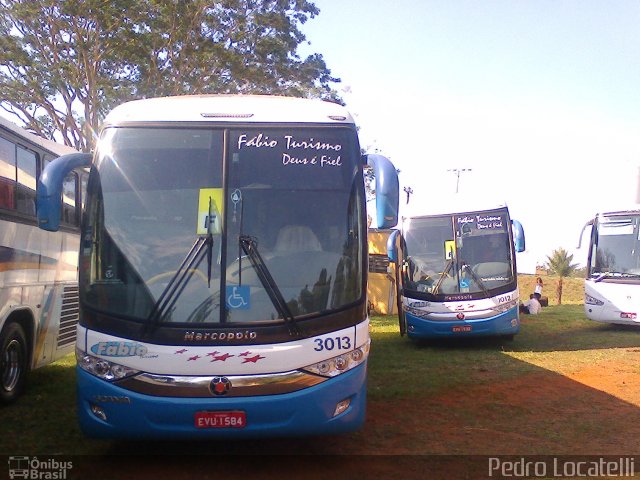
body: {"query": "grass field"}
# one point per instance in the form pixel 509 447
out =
pixel 481 377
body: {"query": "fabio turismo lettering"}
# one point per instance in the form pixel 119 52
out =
pixel 119 349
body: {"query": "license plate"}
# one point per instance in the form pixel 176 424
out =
pixel 631 316
pixel 461 328
pixel 220 419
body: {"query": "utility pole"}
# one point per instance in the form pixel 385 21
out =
pixel 457 172
pixel 408 191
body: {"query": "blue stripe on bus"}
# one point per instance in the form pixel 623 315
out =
pixel 305 412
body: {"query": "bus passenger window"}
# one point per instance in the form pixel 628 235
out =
pixel 69 194
pixel 27 162
pixel 7 174
pixel 84 178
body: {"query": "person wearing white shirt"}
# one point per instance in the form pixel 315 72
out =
pixel 532 306
pixel 538 287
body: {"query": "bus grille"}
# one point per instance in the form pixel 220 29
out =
pixel 68 316
pixel 378 263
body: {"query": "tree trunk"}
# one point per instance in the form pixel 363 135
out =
pixel 559 291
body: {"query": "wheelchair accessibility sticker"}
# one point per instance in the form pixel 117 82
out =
pixel 238 297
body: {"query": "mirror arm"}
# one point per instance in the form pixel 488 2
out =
pixel 49 189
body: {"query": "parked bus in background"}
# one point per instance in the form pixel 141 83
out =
pixel 457 271
pixel 612 286
pixel 38 269
pixel 223 268
pixel 381 285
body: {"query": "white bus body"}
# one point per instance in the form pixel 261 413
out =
pixel 38 269
pixel 612 285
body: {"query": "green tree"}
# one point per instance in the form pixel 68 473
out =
pixel 559 263
pixel 65 63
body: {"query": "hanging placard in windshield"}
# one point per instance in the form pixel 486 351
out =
pixel 282 158
pixel 449 249
pixel 209 211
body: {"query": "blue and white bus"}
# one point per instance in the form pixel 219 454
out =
pixel 612 286
pixel 223 268
pixel 457 271
pixel 38 269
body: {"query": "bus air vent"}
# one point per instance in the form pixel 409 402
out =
pixel 68 316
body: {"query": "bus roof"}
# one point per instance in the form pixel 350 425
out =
pixel 448 205
pixel 621 210
pixel 50 145
pixel 229 108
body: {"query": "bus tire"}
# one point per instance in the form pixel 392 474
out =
pixel 13 362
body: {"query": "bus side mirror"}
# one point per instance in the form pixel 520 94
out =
pixel 49 190
pixel 387 190
pixel 518 236
pixel 392 246
pixel 590 223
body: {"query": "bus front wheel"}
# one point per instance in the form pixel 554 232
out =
pixel 13 362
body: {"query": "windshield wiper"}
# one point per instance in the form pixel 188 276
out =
pixel 604 275
pixel 476 278
pixel 181 278
pixel 442 276
pixel 250 248
pixel 209 242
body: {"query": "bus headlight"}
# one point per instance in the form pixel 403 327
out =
pixel 589 300
pixel 340 364
pixel 101 368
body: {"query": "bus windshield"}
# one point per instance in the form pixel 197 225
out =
pixel 458 254
pixel 616 251
pixel 169 209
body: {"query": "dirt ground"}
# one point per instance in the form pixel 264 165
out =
pixel 450 435
pixel 604 400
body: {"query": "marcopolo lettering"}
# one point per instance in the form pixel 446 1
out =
pixel 119 349
pixel 227 336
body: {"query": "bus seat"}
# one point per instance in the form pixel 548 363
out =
pixel 297 238
pixel 7 190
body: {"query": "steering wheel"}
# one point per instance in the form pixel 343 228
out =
pixel 171 273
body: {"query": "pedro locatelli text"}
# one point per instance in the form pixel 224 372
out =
pixel 559 467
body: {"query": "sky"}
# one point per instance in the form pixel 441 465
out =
pixel 538 100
